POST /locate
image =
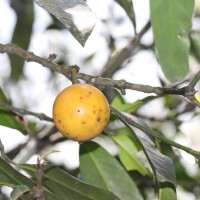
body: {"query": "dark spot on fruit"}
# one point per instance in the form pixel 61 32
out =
pixel 94 111
pixel 90 92
pixel 78 110
pixel 105 119
pixel 59 121
pixel 83 122
pixel 81 97
pixel 98 119
pixel 100 110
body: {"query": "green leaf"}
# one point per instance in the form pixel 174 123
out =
pixel 119 103
pixel 101 169
pixel 167 193
pixel 12 177
pixel 4 180
pixel 171 23
pixel 64 185
pixel 162 166
pixel 7 118
pixel 127 5
pixel 128 153
pixel 18 191
pixel 22 33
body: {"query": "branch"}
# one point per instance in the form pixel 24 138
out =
pixel 187 91
pixel 155 134
pixel 41 116
pixel 122 84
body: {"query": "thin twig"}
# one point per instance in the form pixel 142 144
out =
pixel 195 80
pixel 41 116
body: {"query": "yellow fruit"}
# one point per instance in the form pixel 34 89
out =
pixel 81 112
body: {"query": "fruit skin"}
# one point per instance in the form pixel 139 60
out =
pixel 81 112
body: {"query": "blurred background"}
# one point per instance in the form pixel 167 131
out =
pixel 34 87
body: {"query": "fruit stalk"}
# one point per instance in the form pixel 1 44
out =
pixel 73 74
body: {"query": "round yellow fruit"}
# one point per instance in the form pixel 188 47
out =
pixel 81 112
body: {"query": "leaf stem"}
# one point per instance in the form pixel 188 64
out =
pixel 73 73
pixel 155 134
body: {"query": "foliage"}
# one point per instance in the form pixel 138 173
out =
pixel 145 162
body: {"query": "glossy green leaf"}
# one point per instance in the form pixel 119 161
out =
pixel 101 169
pixel 171 23
pixel 127 5
pixel 162 166
pixel 64 185
pixel 12 177
pixel 167 193
pixel 7 118
pixel 128 153
pixel 119 103
pixel 22 33
pixel 18 191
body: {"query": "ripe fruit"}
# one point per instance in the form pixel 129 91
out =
pixel 81 112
